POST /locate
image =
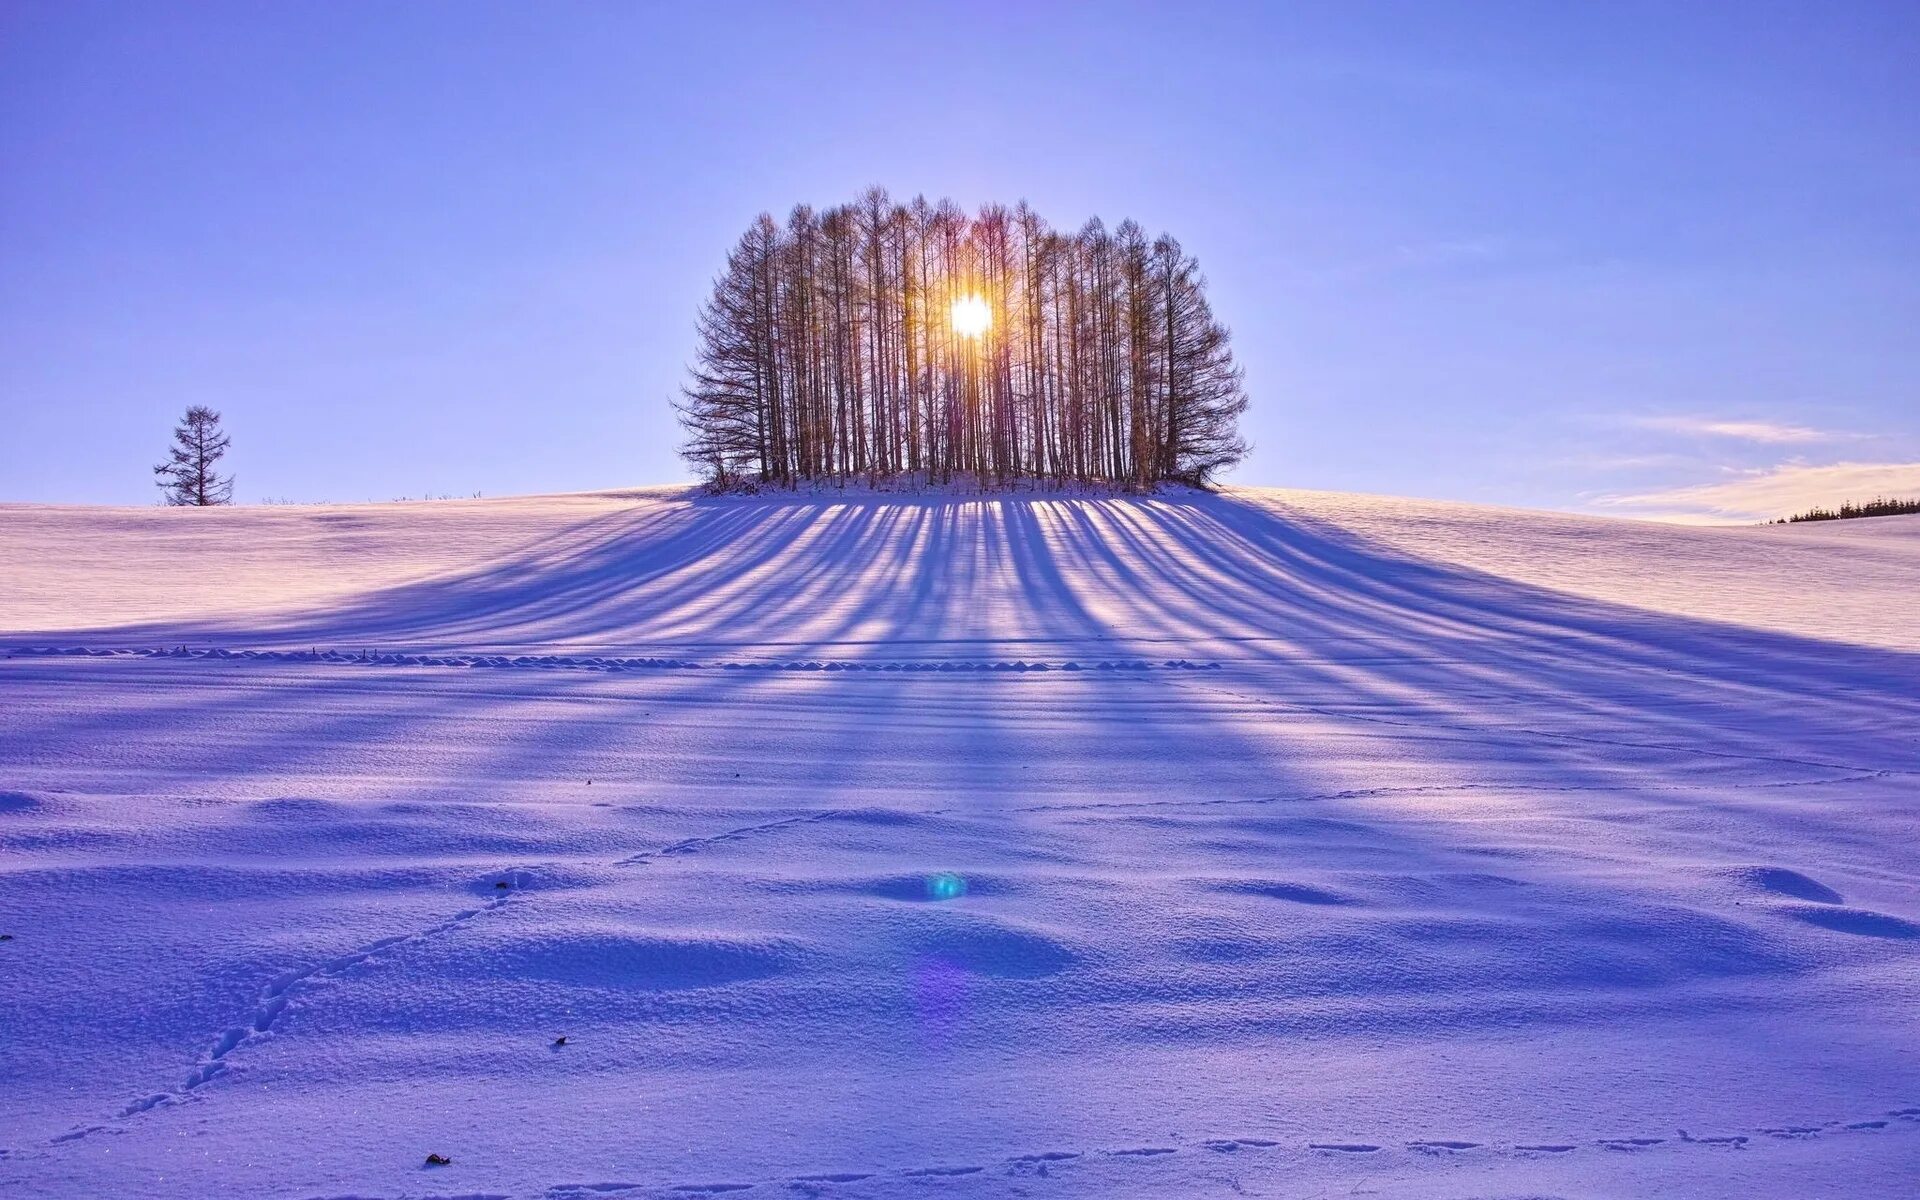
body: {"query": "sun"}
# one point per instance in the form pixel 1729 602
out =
pixel 972 316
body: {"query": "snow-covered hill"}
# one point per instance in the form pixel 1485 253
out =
pixel 621 569
pixel 1272 842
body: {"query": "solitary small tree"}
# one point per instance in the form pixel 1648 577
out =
pixel 187 477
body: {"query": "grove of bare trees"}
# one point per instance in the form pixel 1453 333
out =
pixel 886 340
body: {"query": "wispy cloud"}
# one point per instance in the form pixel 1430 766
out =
pixel 1627 462
pixel 1779 491
pixel 1768 432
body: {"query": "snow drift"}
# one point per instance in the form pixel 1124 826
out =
pixel 1267 841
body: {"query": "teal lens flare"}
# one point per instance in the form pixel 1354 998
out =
pixel 946 886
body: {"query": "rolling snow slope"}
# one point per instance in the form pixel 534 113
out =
pixel 1274 843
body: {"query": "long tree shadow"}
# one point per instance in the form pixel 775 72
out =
pixel 1051 577
pixel 1299 611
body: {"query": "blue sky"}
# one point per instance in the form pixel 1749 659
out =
pixel 1653 259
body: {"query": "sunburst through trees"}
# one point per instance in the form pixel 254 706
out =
pixel 881 340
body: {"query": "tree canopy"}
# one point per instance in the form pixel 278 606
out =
pixel 878 340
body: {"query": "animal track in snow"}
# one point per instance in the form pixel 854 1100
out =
pixel 695 844
pixel 278 993
pixel 611 663
pixel 1024 1164
pixel 1034 1166
pixel 1229 1145
pixel 1735 1139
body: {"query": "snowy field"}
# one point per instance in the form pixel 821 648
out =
pixel 1273 843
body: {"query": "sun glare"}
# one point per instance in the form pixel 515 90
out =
pixel 972 316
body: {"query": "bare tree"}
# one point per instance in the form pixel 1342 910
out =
pixel 188 477
pixel 1203 386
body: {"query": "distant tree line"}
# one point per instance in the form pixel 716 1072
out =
pixel 879 340
pixel 1879 506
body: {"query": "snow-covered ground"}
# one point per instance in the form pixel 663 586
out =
pixel 1275 843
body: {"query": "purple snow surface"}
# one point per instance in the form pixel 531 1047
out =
pixel 1269 843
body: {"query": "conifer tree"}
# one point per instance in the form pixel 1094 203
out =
pixel 188 476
